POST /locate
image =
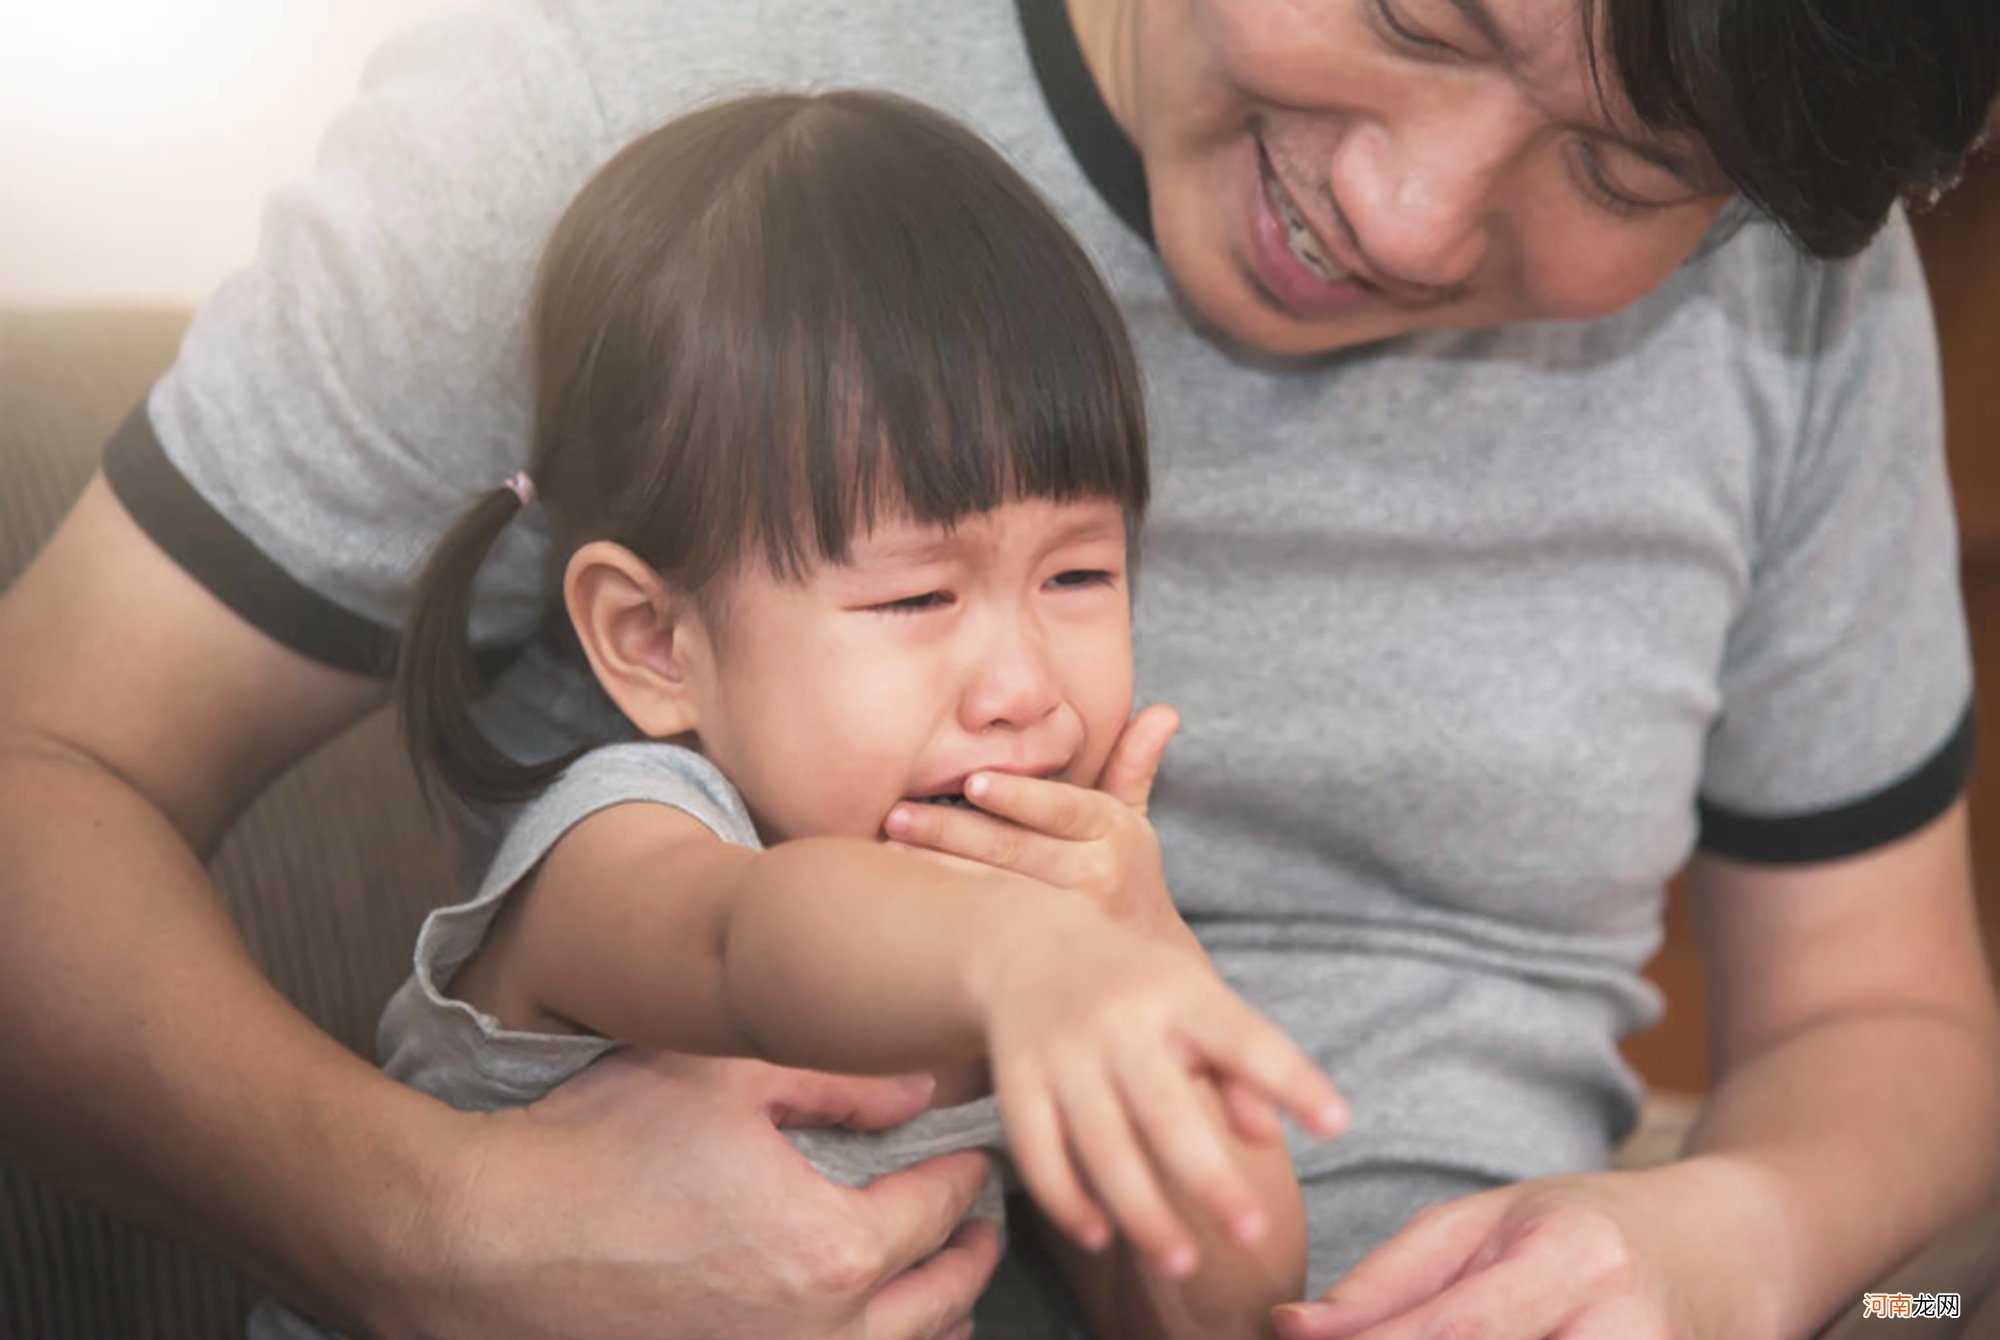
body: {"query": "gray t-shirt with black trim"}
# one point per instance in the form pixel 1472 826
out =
pixel 1475 634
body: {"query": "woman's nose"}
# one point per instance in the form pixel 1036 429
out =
pixel 1421 194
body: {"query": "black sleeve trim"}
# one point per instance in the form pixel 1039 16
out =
pixel 234 570
pixel 1847 830
pixel 1096 140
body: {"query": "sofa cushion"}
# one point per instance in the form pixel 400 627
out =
pixel 327 875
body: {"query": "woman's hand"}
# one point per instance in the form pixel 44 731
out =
pixel 1100 1039
pixel 1097 843
pixel 1654 1255
pixel 655 1195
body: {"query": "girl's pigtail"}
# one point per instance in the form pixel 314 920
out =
pixel 437 673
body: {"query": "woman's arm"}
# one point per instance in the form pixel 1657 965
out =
pixel 1857 1049
pixel 1231 1292
pixel 1858 1089
pixel 145 1062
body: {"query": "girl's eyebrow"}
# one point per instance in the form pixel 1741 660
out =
pixel 921 546
pixel 911 550
pixel 1084 530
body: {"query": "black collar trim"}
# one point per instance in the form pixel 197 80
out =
pixel 1095 139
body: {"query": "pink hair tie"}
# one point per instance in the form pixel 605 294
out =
pixel 523 487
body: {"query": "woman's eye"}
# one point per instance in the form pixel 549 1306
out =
pixel 929 600
pixel 1597 185
pixel 1083 577
pixel 1400 29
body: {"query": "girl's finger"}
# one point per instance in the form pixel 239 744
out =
pixel 1055 809
pixel 1185 1139
pixel 1041 1153
pixel 979 838
pixel 1251 1115
pixel 1232 1039
pixel 1135 759
pixel 1118 1169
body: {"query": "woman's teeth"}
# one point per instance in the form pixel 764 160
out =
pixel 959 801
pixel 1297 236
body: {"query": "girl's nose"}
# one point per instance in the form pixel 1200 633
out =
pixel 1421 194
pixel 1012 683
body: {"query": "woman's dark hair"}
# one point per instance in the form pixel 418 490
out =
pixel 1823 113
pixel 756 329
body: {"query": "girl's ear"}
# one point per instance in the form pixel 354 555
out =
pixel 647 643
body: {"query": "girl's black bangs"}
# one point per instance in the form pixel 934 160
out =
pixel 945 347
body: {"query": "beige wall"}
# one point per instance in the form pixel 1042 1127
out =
pixel 138 137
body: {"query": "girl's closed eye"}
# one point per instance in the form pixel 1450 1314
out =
pixel 917 604
pixel 1084 577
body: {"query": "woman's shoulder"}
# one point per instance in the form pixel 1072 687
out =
pixel 1801 306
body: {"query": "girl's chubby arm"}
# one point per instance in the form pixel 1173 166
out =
pixel 838 954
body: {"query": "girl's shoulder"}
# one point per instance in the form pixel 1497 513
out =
pixel 643 771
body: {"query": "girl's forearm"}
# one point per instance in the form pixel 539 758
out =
pixel 1232 1291
pixel 829 953
pixel 1231 1294
pixel 844 955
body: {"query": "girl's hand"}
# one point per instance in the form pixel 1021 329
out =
pixel 1100 1039
pixel 1096 843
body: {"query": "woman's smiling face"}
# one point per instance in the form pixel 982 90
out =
pixel 1329 172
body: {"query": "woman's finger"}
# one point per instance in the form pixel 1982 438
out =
pixel 1185 1138
pixel 817 1098
pixel 1135 759
pixel 1424 1256
pixel 920 1301
pixel 1042 1155
pixel 1119 1172
pixel 1620 1319
pixel 1529 1296
pixel 908 1213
